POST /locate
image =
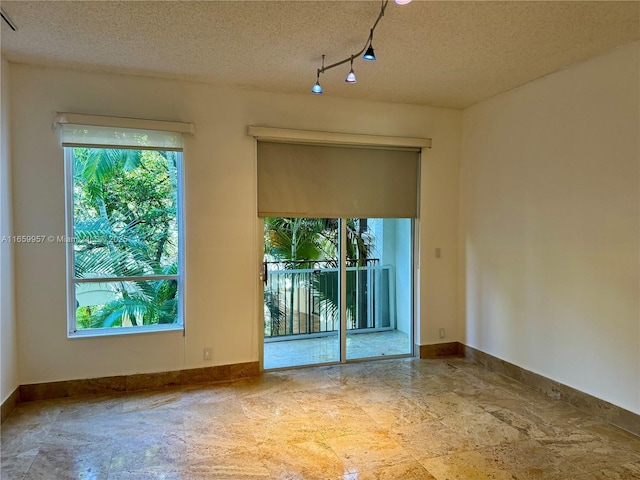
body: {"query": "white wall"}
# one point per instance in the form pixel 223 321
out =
pixel 8 343
pixel 403 266
pixel 393 237
pixel 550 221
pixel 395 251
pixel 221 234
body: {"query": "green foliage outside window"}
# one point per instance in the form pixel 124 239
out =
pixel 125 225
pixel 298 243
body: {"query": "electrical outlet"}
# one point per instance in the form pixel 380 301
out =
pixel 438 252
pixel 206 353
pixel 442 333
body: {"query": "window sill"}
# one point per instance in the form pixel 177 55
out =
pixel 110 332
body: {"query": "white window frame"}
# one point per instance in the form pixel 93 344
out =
pixel 72 331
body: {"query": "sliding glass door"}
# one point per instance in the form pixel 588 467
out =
pixel 379 287
pixel 301 291
pixel 306 267
pixel 338 263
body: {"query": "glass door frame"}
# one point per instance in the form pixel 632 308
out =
pixel 342 287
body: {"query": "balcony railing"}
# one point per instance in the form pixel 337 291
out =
pixel 301 298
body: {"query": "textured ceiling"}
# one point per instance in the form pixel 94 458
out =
pixel 451 54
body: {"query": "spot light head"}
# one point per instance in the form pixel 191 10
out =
pixel 351 77
pixel 317 89
pixel 369 54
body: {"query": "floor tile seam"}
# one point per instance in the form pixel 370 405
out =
pixel 194 460
pixel 428 471
pixel 598 441
pixel 342 462
pixel 191 468
pixel 387 402
pixel 291 395
pixel 69 416
pixel 443 456
pixel 191 399
pixel 581 430
pixel 396 431
pixel 387 434
pixel 382 426
pixel 587 469
pixel 520 429
pixel 18 429
pixel 515 396
pixel 337 456
pixel 440 426
pixel 535 416
pixel 29 423
pixel 618 427
pixel 492 445
pixel 527 441
pixel 178 466
pixel 264 454
pixel 473 414
pixel 33 459
pixel 599 470
pixel 456 414
pixel 38 443
pixel 328 437
pixel 318 402
pixel 257 439
pixel 337 418
pixel 311 387
pixel 30 426
pixel 400 423
pixel 417 457
pixel 501 467
pixel 301 404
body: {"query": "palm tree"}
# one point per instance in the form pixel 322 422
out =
pixel 124 225
pixel 136 303
pixel 298 242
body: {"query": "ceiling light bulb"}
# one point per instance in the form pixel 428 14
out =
pixel 369 55
pixel 317 88
pixel 351 77
pixel 402 2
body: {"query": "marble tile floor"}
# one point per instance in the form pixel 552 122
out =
pixel 403 419
pixel 309 351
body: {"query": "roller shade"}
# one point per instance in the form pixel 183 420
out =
pixel 98 132
pixel 296 180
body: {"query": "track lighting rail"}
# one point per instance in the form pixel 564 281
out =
pixel 367 50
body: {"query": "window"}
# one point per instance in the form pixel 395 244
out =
pixel 124 235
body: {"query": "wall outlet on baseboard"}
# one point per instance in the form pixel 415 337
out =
pixel 441 332
pixel 206 353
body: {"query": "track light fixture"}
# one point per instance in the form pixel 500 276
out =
pixel 369 55
pixel 317 89
pixel 367 50
pixel 351 76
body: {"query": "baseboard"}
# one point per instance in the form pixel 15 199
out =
pixel 133 383
pixel 613 414
pixel 9 404
pixel 440 350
